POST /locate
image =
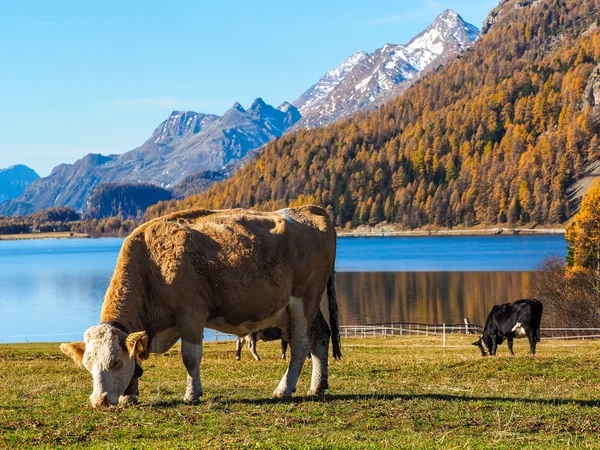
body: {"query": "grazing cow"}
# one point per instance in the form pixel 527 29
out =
pixel 268 334
pixel 236 271
pixel 511 321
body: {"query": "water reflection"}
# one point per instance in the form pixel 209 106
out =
pixel 426 297
pixel 53 290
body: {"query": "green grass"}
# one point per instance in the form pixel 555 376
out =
pixel 393 393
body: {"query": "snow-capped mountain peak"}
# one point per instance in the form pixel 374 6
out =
pixel 366 79
pixel 319 91
pixel 447 29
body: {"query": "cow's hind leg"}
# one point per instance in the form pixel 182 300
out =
pixel 252 346
pixel 299 347
pixel 238 349
pixel 319 349
pixel 192 354
pixel 509 342
pixel 284 346
pixel 532 338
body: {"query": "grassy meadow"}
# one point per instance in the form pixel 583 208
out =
pixel 385 393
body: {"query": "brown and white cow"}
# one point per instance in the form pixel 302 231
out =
pixel 236 271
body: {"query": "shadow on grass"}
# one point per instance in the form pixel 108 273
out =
pixel 389 397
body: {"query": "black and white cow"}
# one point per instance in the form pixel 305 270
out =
pixel 266 334
pixel 511 321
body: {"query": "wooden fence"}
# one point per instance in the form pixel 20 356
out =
pixel 410 329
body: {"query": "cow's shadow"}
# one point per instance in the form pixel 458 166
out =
pixel 388 397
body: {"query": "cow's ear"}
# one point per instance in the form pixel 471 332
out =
pixel 476 343
pixel 75 350
pixel 136 343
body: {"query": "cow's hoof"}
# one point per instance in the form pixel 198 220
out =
pixel 280 393
pixel 128 400
pixel 191 399
pixel 316 392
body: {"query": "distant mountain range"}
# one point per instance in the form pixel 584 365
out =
pixel 184 144
pixel 14 180
pixel 365 80
pixel 191 147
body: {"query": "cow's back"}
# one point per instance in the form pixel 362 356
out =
pixel 233 260
pixel 530 311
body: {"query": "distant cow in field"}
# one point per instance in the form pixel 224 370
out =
pixel 511 321
pixel 235 271
pixel 267 334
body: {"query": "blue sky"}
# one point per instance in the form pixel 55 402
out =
pixel 82 77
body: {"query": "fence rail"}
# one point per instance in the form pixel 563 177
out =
pixel 410 329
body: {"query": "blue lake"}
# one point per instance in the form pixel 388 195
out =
pixel 446 253
pixel 52 290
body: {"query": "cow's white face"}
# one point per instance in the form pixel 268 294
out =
pixel 110 356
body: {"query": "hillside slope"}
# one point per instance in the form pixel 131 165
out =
pixel 497 136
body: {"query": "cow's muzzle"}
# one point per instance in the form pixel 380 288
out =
pixel 101 400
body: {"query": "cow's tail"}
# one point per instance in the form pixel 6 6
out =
pixel 334 320
pixel 539 322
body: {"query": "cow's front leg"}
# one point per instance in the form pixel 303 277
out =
pixel 494 345
pixel 192 354
pixel 131 393
pixel 299 345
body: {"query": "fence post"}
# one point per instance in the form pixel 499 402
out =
pixel 444 335
pixel 426 330
pixel 467 325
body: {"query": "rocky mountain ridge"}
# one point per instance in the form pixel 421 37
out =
pixel 184 144
pixel 14 180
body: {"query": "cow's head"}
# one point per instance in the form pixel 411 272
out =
pixel 110 355
pixel 480 343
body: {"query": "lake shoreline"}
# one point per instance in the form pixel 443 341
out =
pixel 461 232
pixel 358 233
pixel 50 235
